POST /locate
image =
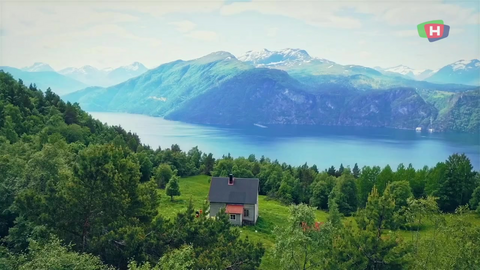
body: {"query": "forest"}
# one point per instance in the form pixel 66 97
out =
pixel 78 194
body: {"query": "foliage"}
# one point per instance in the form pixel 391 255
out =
pixel 173 189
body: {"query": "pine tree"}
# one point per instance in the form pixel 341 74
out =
pixel 173 189
pixel 340 170
pixel 356 171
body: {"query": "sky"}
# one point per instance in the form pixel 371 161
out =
pixel 115 33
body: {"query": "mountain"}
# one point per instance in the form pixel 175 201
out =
pixel 298 62
pixel 407 72
pixel 104 77
pixel 220 89
pixel 462 72
pixel 164 88
pixel 38 67
pixel 59 84
pixel 286 57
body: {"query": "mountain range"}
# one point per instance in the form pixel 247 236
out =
pixel 104 77
pixel 72 79
pixel 287 87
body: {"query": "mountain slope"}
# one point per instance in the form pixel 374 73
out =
pixel 162 89
pixel 461 72
pixel 268 96
pixel 59 84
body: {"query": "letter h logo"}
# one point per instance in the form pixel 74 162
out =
pixel 433 30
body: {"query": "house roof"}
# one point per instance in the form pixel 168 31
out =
pixel 234 209
pixel 244 190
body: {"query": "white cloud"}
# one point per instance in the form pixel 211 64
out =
pixel 320 13
pixel 362 42
pixel 326 13
pixel 204 35
pixel 365 54
pixel 271 31
pixel 407 33
pixel 184 26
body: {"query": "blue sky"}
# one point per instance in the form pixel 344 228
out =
pixel 111 33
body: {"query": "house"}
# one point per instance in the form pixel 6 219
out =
pixel 238 196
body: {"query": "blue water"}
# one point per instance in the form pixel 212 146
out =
pixel 295 145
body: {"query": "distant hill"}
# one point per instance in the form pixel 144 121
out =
pixel 407 72
pixel 462 71
pixel 221 89
pixel 104 77
pixel 59 84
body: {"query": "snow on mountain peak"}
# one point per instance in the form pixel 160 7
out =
pixel 404 70
pixel 465 64
pixel 38 67
pixel 134 66
pixel 265 57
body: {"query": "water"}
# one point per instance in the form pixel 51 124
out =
pixel 295 145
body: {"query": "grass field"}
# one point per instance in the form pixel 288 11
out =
pixel 271 214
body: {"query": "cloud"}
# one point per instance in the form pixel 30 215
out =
pixel 327 13
pixel 362 42
pixel 204 35
pixel 320 13
pixel 184 26
pixel 26 19
pixel 407 33
pixel 271 31
pixel 365 54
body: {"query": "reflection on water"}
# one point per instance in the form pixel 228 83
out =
pixel 324 146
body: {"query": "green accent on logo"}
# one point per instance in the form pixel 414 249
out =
pixel 421 27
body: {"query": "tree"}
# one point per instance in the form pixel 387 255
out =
pixel 331 171
pixel 52 255
pixel 459 183
pixel 146 166
pixel 400 192
pixel 173 189
pixel 179 259
pixel 321 189
pixel 301 243
pixel 369 246
pixel 163 174
pixel 365 183
pixel 356 171
pixel 345 194
pixel 384 177
pixel 340 170
pixel 475 200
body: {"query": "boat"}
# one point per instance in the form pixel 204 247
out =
pixel 418 129
pixel 258 125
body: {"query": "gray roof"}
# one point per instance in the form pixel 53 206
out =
pixel 244 190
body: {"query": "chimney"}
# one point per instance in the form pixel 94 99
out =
pixel 230 180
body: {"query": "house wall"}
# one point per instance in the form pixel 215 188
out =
pixel 256 210
pixel 251 210
pixel 216 207
pixel 237 221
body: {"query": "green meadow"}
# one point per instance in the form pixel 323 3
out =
pixel 271 214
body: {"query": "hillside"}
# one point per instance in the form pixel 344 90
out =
pixel 220 89
pixel 91 196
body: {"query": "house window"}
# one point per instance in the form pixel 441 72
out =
pixel 245 213
pixel 232 216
